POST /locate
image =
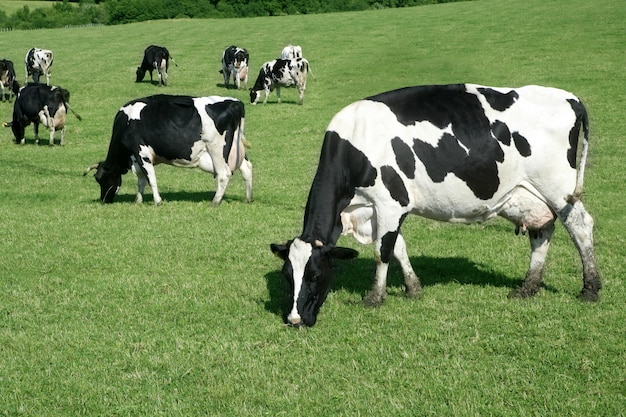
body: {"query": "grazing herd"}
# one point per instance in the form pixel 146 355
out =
pixel 459 153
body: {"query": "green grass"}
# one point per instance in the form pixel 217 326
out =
pixel 127 310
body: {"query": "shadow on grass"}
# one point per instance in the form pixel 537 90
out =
pixel 357 275
pixel 190 196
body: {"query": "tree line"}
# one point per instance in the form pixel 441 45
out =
pixel 113 12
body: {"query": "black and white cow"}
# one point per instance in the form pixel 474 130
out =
pixel 154 58
pixel 235 62
pixel 183 131
pixel 8 79
pixel 40 104
pixel 280 73
pixel 457 153
pixel 38 62
pixel 291 52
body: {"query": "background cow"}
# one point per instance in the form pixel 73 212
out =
pixel 154 58
pixel 280 73
pixel 38 62
pixel 204 132
pixel 291 52
pixel 457 153
pixel 8 79
pixel 235 62
pixel 40 103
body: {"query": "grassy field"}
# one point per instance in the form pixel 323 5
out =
pixel 133 310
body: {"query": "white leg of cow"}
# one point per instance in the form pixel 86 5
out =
pixel 539 244
pixel 579 224
pixel 142 180
pixel 411 280
pixel 278 93
pixel 221 170
pixel 378 292
pixel 148 169
pixel 301 92
pixel 63 136
pixel 246 173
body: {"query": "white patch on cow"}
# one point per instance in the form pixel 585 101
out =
pixel 133 111
pixel 299 255
pixel 359 220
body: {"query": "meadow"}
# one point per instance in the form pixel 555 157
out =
pixel 137 310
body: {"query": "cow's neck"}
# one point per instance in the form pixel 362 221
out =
pixel 342 168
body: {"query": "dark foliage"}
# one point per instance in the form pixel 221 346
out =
pixel 112 12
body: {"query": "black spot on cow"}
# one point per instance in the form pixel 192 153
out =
pixel 404 157
pixel 521 143
pixel 581 118
pixel 393 182
pixel 497 100
pixel 501 132
pixel 471 151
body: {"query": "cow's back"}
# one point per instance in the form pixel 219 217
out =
pixel 462 150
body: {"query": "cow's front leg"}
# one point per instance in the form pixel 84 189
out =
pixel 36 129
pixel 383 250
pixel 142 180
pixel 412 283
pixel 539 244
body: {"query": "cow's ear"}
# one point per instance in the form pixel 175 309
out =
pixel 280 250
pixel 343 253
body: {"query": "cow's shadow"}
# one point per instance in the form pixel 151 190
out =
pixel 356 276
pixel 189 196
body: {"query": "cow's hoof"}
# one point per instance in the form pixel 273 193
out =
pixel 374 299
pixel 589 295
pixel 523 292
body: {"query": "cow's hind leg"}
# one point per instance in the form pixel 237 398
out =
pixel 539 244
pixel 579 224
pixel 142 180
pixel 246 173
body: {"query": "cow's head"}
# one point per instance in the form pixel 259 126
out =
pixel 140 74
pixel 109 178
pixel 309 275
pixel 254 95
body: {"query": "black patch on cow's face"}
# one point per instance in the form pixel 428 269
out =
pixel 470 152
pixel 521 143
pixel 393 182
pixel 497 100
pixel 141 73
pixel 501 132
pixel 110 181
pixel 404 157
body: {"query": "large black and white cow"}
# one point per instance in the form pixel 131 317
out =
pixel 40 104
pixel 203 132
pixel 457 153
pixel 38 61
pixel 235 63
pixel 280 73
pixel 154 58
pixel 8 80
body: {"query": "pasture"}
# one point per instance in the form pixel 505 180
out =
pixel 132 310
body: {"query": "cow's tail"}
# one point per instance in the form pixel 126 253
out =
pixel 172 59
pixel 73 112
pixel 584 120
pixel 308 65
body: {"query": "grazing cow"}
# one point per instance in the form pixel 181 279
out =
pixel 154 58
pixel 291 52
pixel 457 153
pixel 235 62
pixel 280 73
pixel 203 132
pixel 40 103
pixel 38 62
pixel 8 79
